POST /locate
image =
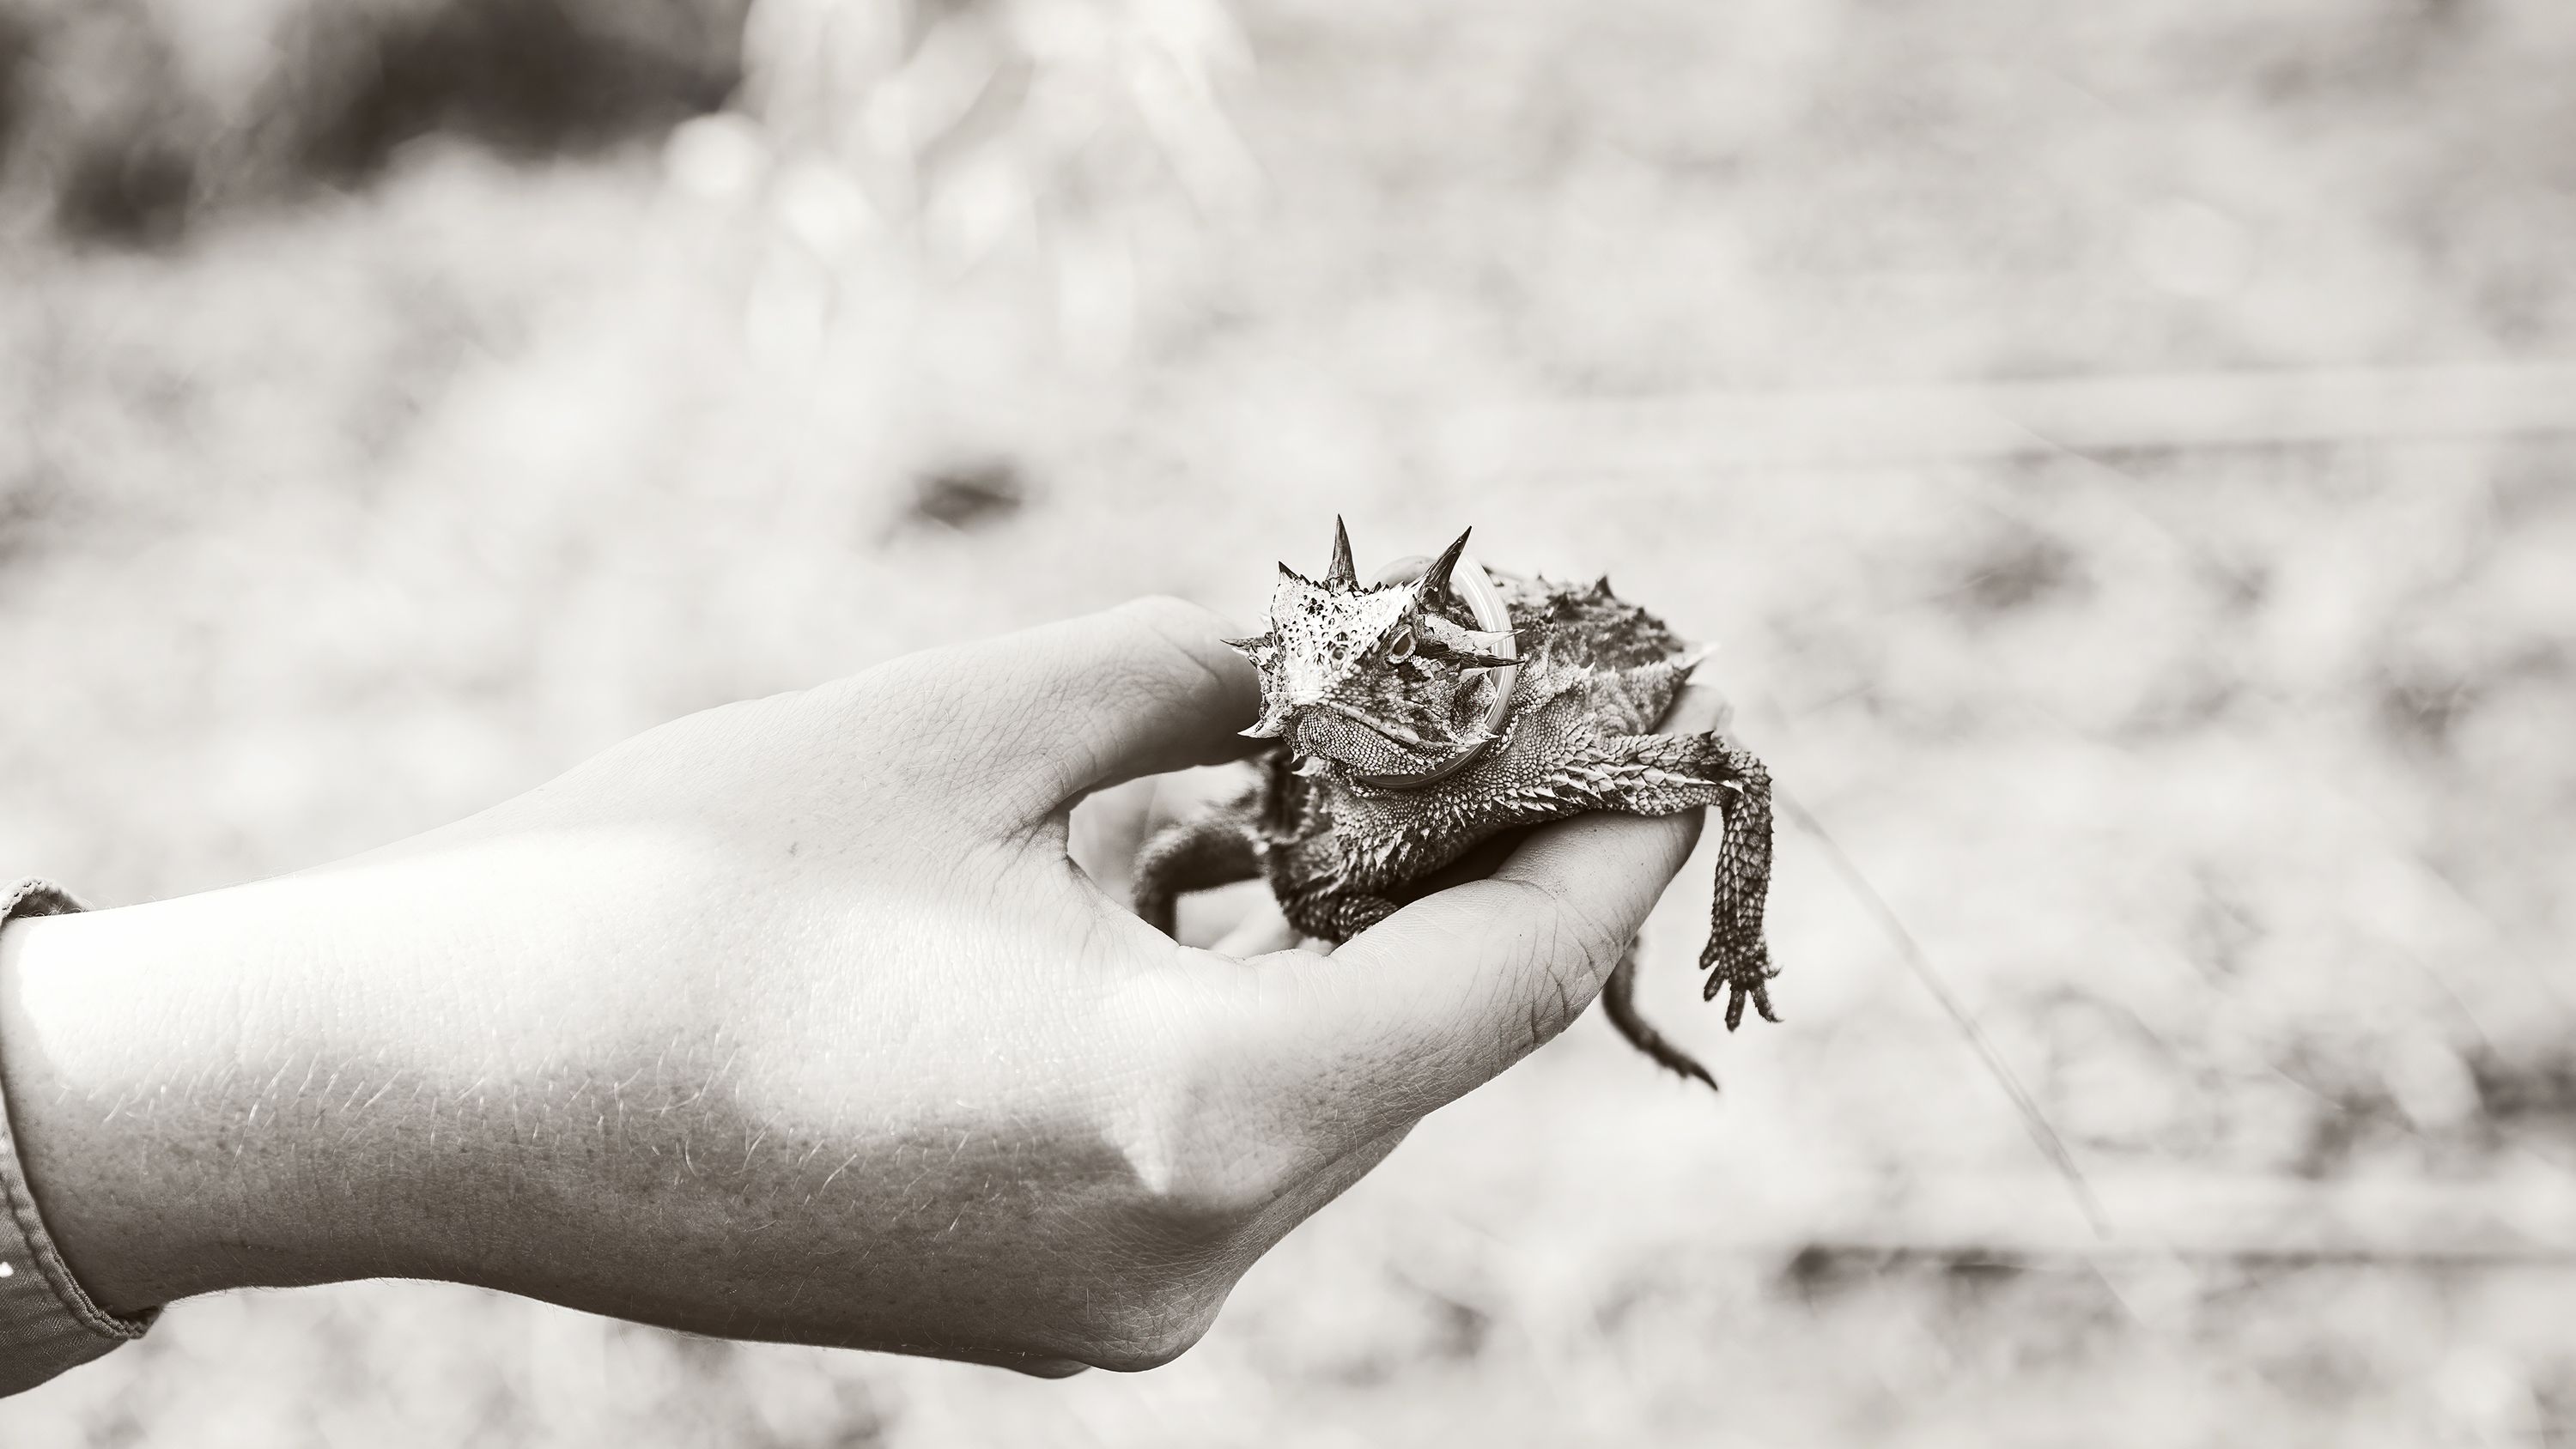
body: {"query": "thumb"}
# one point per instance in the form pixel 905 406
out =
pixel 1136 690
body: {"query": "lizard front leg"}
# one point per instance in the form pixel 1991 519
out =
pixel 1201 853
pixel 1335 915
pixel 1662 774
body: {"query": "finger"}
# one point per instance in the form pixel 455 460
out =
pixel 1143 688
pixel 1450 990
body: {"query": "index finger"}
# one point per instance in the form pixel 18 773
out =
pixel 1441 996
pixel 1027 723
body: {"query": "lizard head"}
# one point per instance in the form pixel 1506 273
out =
pixel 1378 679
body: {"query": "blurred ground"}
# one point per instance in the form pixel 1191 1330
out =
pixel 383 435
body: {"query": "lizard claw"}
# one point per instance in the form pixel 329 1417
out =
pixel 1745 975
pixel 1761 997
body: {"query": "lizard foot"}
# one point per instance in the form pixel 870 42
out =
pixel 1743 972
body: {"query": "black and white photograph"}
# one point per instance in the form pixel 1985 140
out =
pixel 1261 724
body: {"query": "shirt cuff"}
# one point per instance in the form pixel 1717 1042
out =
pixel 47 1324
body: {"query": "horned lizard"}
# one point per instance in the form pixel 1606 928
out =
pixel 1421 714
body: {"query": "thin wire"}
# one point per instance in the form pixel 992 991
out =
pixel 2035 1122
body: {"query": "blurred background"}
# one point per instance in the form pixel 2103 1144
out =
pixel 2126 454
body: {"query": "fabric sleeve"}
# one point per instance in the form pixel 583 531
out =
pixel 47 1323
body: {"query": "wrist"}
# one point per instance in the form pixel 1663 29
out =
pixel 153 1094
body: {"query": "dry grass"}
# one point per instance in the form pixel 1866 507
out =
pixel 2225 782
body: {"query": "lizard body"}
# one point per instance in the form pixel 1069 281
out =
pixel 1394 758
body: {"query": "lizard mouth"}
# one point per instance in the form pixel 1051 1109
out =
pixel 1396 732
pixel 1382 753
pixel 1349 737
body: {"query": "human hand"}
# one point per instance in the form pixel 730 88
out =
pixel 792 1020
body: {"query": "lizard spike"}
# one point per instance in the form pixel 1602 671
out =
pixel 1467 648
pixel 1435 579
pixel 1344 572
pixel 1261 649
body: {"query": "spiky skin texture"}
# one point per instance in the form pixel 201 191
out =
pixel 1340 853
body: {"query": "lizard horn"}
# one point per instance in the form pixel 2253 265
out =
pixel 1435 579
pixel 1343 570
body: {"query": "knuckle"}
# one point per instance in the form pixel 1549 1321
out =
pixel 1207 1176
pixel 1188 641
pixel 1172 615
pixel 1555 977
pixel 1203 1157
pixel 1549 970
pixel 1578 947
pixel 1152 1328
pixel 1213 1198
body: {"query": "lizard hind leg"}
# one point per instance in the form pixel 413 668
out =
pixel 1656 774
pixel 1619 999
pixel 1197 854
pixel 1737 958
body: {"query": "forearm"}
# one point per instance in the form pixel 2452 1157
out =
pixel 463 1059
pixel 290 1082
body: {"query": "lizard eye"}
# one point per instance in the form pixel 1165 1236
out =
pixel 1400 648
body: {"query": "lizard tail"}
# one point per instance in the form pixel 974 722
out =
pixel 1619 998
